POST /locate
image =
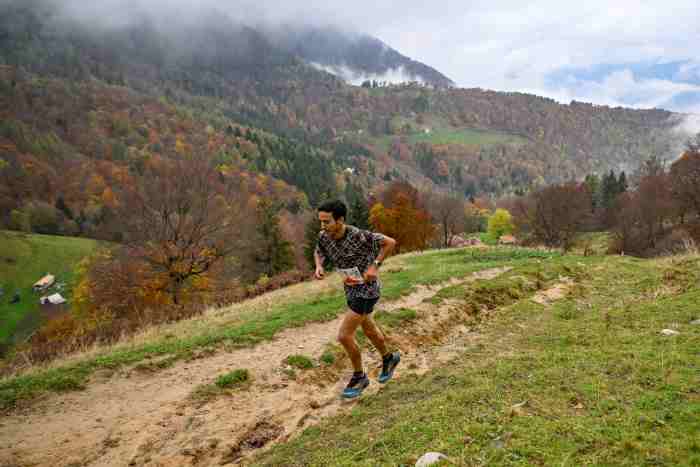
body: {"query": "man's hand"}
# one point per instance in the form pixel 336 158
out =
pixel 371 273
pixel 320 273
pixel 351 281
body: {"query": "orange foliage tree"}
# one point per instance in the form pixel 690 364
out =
pixel 402 217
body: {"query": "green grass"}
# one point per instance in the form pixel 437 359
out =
pixel 448 135
pixel 588 381
pixel 260 325
pixel 224 384
pixel 328 357
pixel 252 327
pixel 466 137
pixel 26 258
pixel 233 378
pixel 396 318
pixel 301 362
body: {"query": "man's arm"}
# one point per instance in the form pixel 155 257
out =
pixel 318 259
pixel 387 244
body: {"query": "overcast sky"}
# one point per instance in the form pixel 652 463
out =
pixel 616 52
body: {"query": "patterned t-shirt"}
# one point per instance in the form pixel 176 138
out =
pixel 356 248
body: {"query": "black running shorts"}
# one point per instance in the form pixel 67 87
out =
pixel 362 306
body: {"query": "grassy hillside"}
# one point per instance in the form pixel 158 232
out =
pixel 25 258
pixel 563 362
pixel 448 135
pixel 588 379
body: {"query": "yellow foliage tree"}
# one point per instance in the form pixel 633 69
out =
pixel 500 223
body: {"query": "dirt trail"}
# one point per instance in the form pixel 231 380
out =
pixel 137 418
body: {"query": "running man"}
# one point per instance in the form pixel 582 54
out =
pixel 346 247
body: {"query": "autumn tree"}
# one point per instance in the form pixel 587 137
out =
pixel 179 224
pixel 401 216
pixel 500 223
pixel 626 223
pixel 447 212
pixel 685 183
pixel 557 213
pixel 654 197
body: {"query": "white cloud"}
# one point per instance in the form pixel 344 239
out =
pixel 394 75
pixel 504 44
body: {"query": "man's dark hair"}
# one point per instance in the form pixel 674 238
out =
pixel 337 208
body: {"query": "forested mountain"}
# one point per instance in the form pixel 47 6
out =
pixel 224 74
pixel 354 57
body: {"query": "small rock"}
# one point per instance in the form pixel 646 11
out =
pixel 301 346
pixel 669 332
pixel 696 322
pixel 430 458
pixel 518 409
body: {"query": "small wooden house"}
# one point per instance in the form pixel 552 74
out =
pixel 44 283
pixel 507 240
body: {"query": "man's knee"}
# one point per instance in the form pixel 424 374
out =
pixel 345 338
pixel 370 329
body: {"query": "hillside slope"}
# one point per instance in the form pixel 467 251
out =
pixel 487 373
pixel 24 259
pixel 241 74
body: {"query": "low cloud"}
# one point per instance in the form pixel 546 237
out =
pixel 393 76
pixel 505 45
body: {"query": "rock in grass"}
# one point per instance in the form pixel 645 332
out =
pixel 430 458
pixel 669 332
pixel 696 322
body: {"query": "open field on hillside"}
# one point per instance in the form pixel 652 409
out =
pixel 466 137
pixel 584 377
pixel 511 356
pixel 25 258
pixel 250 322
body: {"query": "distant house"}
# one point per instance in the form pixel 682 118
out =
pixel 507 240
pixel 55 299
pixel 44 283
pixel 457 241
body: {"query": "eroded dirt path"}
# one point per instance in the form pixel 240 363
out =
pixel 137 418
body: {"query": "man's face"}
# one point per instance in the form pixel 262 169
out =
pixel 330 225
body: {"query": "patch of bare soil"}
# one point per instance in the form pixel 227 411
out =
pixel 139 418
pixel 554 293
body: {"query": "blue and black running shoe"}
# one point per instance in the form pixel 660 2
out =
pixel 357 384
pixel 389 363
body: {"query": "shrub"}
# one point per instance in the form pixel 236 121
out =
pixel 301 362
pixel 233 379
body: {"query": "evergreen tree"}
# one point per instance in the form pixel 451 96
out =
pixel 622 183
pixel 313 227
pixel 593 183
pixel 61 206
pixel 274 254
pixel 608 190
pixel 358 210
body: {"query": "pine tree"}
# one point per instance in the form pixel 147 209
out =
pixel 622 183
pixel 275 253
pixel 609 190
pixel 313 227
pixel 61 206
pixel 358 211
pixel 593 183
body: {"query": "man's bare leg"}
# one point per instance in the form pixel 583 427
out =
pixel 374 334
pixel 346 336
